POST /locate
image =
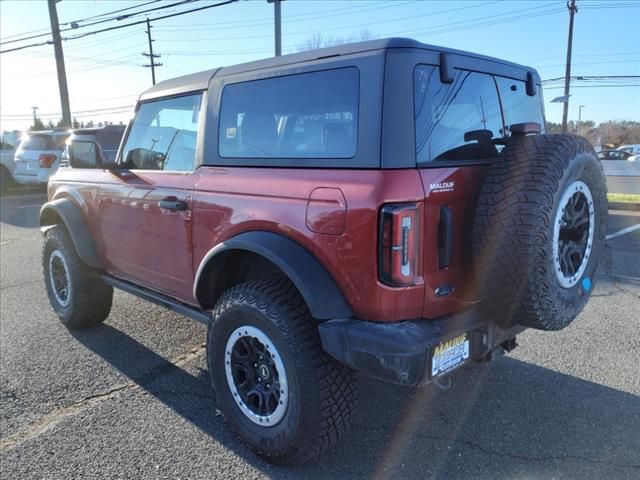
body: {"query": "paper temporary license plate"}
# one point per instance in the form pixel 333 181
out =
pixel 449 355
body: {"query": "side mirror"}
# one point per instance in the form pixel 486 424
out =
pixel 84 154
pixel 144 159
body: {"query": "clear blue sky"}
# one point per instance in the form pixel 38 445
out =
pixel 105 72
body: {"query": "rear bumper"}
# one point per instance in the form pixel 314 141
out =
pixel 40 178
pixel 401 352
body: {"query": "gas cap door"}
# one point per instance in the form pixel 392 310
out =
pixel 326 211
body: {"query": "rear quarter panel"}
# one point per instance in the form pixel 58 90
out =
pixel 232 200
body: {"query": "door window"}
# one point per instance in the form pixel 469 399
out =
pixel 457 121
pixel 163 135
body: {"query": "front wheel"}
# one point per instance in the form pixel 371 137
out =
pixel 76 292
pixel 278 389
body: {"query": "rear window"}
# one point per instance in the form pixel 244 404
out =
pixel 456 121
pixel 44 142
pixel 309 115
pixel 468 119
pixel 519 107
pixel 109 143
pixel 109 140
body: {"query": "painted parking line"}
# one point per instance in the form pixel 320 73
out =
pixel 624 231
pixel 29 206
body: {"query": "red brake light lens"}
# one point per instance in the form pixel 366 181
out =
pixel 398 244
pixel 46 160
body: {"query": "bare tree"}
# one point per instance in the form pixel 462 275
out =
pixel 321 40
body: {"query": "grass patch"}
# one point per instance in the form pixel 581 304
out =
pixel 623 197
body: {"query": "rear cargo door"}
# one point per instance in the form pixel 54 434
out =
pixel 456 127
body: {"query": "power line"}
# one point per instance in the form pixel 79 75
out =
pixel 387 21
pixel 233 24
pixel 57 114
pixel 76 21
pixel 117 27
pixel 596 86
pixel 442 28
pixel 74 24
pixel 591 77
pixel 112 12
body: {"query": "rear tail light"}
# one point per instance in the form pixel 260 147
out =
pixel 46 160
pixel 398 244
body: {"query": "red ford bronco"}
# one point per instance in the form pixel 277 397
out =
pixel 386 207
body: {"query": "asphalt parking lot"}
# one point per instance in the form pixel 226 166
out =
pixel 628 185
pixel 130 399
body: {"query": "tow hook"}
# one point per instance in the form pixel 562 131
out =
pixel 509 344
pixel 443 383
pixel 504 347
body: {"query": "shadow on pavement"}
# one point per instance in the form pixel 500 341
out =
pixel 506 420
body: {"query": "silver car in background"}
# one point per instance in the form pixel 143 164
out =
pixel 38 156
pixel 7 152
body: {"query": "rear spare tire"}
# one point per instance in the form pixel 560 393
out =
pixel 539 231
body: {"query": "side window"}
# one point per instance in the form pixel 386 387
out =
pixel 163 135
pixel 517 105
pixel 457 121
pixel 308 115
pixel 84 154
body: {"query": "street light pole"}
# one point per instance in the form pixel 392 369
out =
pixel 580 117
pixel 277 25
pixel 567 76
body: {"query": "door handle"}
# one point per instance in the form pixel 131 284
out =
pixel 172 203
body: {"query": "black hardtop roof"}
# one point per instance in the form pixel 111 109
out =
pixel 93 130
pixel 200 80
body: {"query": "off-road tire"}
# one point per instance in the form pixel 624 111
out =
pixel 513 231
pixel 88 300
pixel 321 391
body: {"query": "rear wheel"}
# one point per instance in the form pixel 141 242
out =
pixel 76 292
pixel 275 385
pixel 539 231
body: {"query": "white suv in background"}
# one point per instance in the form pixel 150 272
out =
pixel 38 156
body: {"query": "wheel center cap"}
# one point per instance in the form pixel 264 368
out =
pixel 263 370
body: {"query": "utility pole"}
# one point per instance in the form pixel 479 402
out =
pixel 151 56
pixel 580 117
pixel 277 25
pixel 62 75
pixel 567 75
pixel 34 114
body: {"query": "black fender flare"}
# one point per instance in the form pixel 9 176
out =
pixel 319 290
pixel 73 220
